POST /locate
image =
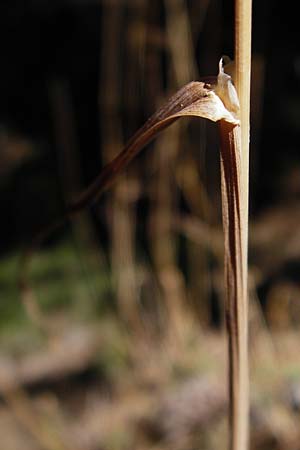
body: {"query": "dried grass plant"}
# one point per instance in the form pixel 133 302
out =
pixel 215 99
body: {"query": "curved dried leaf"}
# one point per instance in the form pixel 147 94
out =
pixel 196 99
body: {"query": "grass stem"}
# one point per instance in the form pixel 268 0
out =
pixel 235 142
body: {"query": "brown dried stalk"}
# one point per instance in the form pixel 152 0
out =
pixel 214 99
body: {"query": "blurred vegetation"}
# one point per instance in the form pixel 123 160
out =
pixel 131 292
pixel 61 282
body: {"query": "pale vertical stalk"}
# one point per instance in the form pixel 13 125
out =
pixel 237 322
pixel 164 242
pixel 243 25
pixel 243 28
pixel 164 246
pixel 122 231
pixel 180 43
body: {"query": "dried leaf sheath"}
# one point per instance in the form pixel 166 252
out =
pixel 236 291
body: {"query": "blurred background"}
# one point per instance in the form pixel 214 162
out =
pixel 120 341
